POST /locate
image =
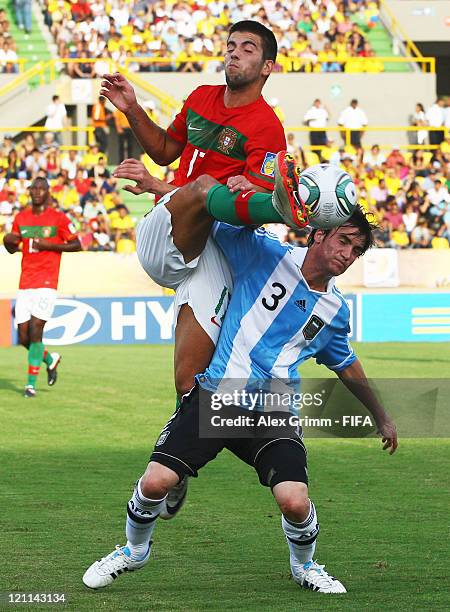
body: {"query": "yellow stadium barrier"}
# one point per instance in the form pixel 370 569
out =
pixel 373 128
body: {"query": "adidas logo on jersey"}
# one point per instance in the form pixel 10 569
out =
pixel 301 304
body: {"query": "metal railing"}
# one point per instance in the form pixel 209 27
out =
pixel 351 65
pixel 397 31
pixel 346 134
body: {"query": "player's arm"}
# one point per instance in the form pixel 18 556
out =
pixel 12 242
pixel 134 170
pixel 155 141
pixel 356 382
pixel 71 246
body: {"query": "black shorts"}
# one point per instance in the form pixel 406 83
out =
pixel 180 448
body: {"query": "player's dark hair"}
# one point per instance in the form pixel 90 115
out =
pixel 360 220
pixel 269 42
pixel 43 179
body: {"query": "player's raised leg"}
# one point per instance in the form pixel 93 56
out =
pixel 143 509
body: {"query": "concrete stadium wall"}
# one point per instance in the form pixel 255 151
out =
pixel 423 20
pixel 109 274
pixel 87 274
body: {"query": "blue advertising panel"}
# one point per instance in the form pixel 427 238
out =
pixel 406 317
pixel 129 320
pixel 374 317
pixel 110 321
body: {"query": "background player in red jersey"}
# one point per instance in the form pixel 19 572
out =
pixel 44 233
pixel 230 132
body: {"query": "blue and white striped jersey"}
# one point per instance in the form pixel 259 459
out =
pixel 274 320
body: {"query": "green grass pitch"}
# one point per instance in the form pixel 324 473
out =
pixel 68 460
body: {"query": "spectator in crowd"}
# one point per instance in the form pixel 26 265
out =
pixel 421 235
pixel 355 119
pixel 400 237
pixel 395 157
pixel 383 235
pixel 438 193
pixel 122 227
pixel 8 56
pixel 440 239
pixel 435 117
pixel 374 158
pixel 317 117
pixel 291 144
pixel 83 69
pixel 419 119
pixel 410 217
pixel 56 116
pixel 393 214
pixel 100 116
pixel 125 136
pixel 418 164
pixel 23 14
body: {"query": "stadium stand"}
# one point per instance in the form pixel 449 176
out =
pixel 189 37
pixel 29 41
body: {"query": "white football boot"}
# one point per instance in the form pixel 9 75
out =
pixel 313 576
pixel 103 572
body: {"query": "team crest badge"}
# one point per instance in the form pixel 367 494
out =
pixel 226 140
pixel 268 165
pixel 46 231
pixel 313 327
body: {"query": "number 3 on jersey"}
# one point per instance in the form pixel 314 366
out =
pixel 275 297
pixel 197 153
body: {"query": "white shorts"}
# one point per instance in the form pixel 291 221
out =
pixel 204 283
pixel 37 303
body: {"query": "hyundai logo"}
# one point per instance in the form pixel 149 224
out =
pixel 78 322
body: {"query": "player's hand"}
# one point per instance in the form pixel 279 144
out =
pixel 41 244
pixel 134 170
pixel 12 240
pixel 388 432
pixel 118 91
pixel 239 183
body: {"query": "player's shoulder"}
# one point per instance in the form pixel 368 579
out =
pixel 23 214
pixel 271 241
pixel 265 123
pixel 58 215
pixel 203 92
pixel 344 310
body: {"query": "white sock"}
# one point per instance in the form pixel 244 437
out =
pixel 141 519
pixel 301 537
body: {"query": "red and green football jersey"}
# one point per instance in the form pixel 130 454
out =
pixel 226 142
pixel 41 268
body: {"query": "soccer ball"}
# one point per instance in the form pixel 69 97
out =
pixel 329 195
